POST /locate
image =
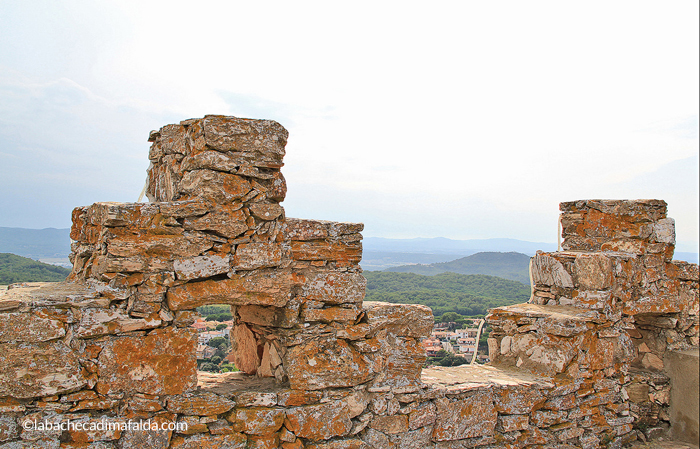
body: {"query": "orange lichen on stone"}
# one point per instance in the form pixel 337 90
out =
pixel 162 363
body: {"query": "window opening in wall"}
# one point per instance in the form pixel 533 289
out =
pixel 214 327
pixel 455 340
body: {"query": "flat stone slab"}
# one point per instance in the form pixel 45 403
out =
pixel 51 293
pixel 458 379
pixel 227 384
pixel 43 289
pixel 558 313
pixel 455 379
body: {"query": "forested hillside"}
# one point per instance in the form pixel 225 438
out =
pixel 513 266
pixel 466 294
pixel 20 269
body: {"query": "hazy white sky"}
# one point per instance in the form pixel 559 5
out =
pixel 455 119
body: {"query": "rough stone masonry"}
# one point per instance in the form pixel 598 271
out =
pixel 580 365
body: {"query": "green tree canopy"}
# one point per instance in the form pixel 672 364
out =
pixel 464 294
pixel 450 316
pixel 209 367
pixel 216 342
pixel 21 269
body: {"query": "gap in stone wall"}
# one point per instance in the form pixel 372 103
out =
pixel 214 348
pixel 246 360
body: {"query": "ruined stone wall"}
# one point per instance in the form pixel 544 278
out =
pixel 604 312
pixel 321 368
pixel 295 285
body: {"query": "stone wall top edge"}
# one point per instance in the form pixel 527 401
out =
pixel 136 204
pixel 482 377
pixel 594 203
pixel 321 222
pixel 50 294
pixel 376 304
pixel 49 287
pixel 556 312
pixel 199 201
pixel 577 252
pixel 154 134
pixel 154 204
pixel 223 116
pixel 573 253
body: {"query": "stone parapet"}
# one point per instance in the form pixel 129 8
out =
pixel 353 387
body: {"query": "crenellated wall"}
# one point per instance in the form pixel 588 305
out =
pixel 581 364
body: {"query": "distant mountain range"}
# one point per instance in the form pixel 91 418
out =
pixel 511 265
pixel 441 245
pixel 382 253
pixel 36 243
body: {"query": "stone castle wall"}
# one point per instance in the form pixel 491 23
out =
pixel 580 364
